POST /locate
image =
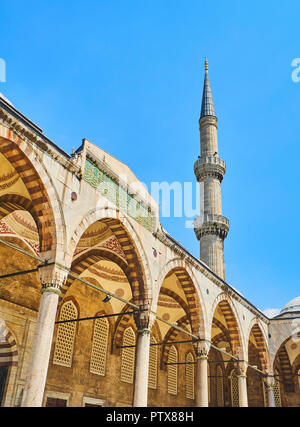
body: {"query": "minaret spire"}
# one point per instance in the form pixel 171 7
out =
pixel 208 108
pixel 212 227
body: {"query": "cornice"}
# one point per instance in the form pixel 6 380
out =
pixel 204 269
pixel 33 135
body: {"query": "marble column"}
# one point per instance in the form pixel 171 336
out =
pixel 52 280
pixel 140 394
pixel 242 384
pixel 140 398
pixel 202 376
pixel 270 390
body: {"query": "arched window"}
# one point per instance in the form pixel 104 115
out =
pixel 64 346
pixel 220 387
pixel 99 347
pixel 172 370
pixel 234 389
pixel 189 376
pixel 152 378
pixel 128 356
pixel 8 360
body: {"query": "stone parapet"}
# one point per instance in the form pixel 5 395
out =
pixel 211 224
pixel 210 166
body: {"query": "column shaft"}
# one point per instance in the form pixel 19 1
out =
pixel 243 397
pixel 271 398
pixel 38 367
pixel 140 398
pixel 202 382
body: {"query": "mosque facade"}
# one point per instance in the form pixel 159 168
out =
pixel 100 306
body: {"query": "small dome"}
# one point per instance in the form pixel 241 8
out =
pixel 292 306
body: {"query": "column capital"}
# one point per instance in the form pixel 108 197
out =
pixel 143 319
pixel 241 368
pixel 201 349
pixel 270 382
pixel 52 277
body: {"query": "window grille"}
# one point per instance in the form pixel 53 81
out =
pixel 128 356
pixel 189 377
pixel 277 394
pixel 64 346
pixel 99 347
pixel 172 371
pixel 234 390
pixel 152 378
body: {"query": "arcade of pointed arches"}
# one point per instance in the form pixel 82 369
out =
pixel 97 358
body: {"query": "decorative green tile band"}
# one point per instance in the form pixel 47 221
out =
pixel 106 186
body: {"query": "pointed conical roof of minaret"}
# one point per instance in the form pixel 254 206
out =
pixel 208 108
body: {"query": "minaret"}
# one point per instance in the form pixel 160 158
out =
pixel 211 227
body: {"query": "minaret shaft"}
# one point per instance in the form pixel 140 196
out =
pixel 211 227
pixel 208 137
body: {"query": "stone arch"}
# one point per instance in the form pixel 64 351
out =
pixel 261 343
pixel 224 333
pixel 122 323
pixel 170 337
pixel 8 347
pixel 188 282
pixel 12 202
pixel 233 323
pixel 45 209
pixel 138 266
pixel 283 363
pixel 155 331
pixel 180 301
pixel 90 257
pixel 280 334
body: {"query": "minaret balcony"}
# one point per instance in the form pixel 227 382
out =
pixel 211 224
pixel 210 166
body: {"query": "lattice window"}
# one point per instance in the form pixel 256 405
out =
pixel 234 389
pixel 128 356
pixel 152 378
pixel 64 346
pixel 220 387
pixel 172 370
pixel 189 376
pixel 277 394
pixel 99 347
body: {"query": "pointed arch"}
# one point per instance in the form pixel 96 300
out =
pixel 188 282
pixel 89 258
pixel 45 205
pixel 232 321
pixel 8 347
pixel 138 267
pixel 261 343
pixel 170 337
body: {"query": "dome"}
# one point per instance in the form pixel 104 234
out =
pixel 292 306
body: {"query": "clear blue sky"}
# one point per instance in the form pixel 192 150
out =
pixel 128 75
